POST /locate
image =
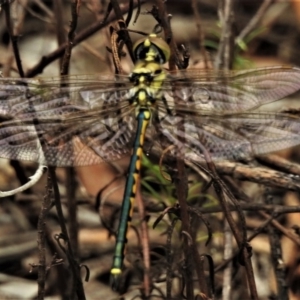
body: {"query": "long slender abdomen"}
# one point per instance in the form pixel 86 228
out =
pixel 131 187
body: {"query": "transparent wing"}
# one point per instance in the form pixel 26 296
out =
pixel 227 137
pixel 231 91
pixel 83 124
pixel 212 111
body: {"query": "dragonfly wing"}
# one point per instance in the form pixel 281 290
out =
pixel 232 137
pixel 77 125
pixel 232 91
pixel 267 132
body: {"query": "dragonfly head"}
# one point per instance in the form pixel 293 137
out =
pixel 152 48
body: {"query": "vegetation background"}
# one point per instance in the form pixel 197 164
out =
pixel 38 260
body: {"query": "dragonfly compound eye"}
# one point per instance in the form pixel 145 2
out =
pixel 152 48
pixel 134 78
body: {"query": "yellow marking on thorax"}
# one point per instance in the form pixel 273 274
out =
pixel 142 97
pixel 145 88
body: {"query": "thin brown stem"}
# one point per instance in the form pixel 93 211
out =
pixel 41 227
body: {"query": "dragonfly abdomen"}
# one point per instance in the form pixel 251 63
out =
pixel 131 187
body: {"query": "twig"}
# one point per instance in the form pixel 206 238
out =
pixel 122 24
pixel 70 174
pixel 71 185
pixel 259 175
pixel 226 287
pixel 288 233
pixel 224 56
pixel 42 269
pixel 199 262
pixel 77 286
pixel 181 185
pixel 254 21
pixel 82 35
pixel 13 33
pixel 75 268
pixel 71 36
pixel 254 207
pixel 279 163
pixel 145 244
pixel 32 181
pixel 200 33
pixel 169 255
pixel 277 259
pixel 59 24
pixel 160 14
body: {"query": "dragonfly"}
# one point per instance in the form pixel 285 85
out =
pixel 89 119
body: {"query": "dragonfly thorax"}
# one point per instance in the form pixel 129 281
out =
pixel 148 78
